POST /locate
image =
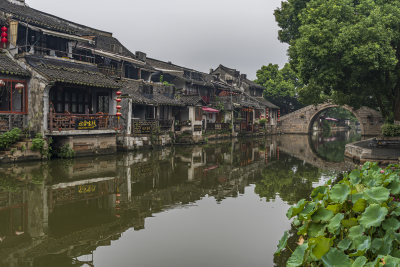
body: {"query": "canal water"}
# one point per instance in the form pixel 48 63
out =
pixel 220 204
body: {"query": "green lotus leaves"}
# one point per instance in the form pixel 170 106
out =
pixel 282 243
pixel 339 193
pixel 377 194
pixel 360 205
pixel 334 208
pixel 322 215
pixel 356 222
pixel 348 223
pixel 316 229
pixel 334 223
pixel 391 261
pixel 344 244
pixel 391 224
pixel 373 216
pixel 394 187
pixel 355 176
pixel 361 243
pixel 335 258
pixel 294 210
pixel 297 257
pixel 355 231
pixel 360 262
pixel 321 246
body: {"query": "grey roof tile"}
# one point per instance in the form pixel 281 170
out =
pixel 9 67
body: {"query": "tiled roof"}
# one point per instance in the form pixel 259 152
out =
pixel 35 17
pixel 266 102
pixel 9 67
pixel 58 70
pixel 191 100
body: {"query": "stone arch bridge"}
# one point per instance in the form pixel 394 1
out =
pixel 301 121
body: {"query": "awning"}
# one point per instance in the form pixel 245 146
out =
pixel 210 110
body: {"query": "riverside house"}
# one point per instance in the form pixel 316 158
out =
pixel 61 79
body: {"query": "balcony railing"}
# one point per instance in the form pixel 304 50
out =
pixel 71 122
pixel 63 54
pixel 145 127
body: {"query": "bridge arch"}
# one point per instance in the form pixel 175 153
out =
pixel 300 121
pixel 329 106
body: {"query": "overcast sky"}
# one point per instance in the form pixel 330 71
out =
pixel 199 34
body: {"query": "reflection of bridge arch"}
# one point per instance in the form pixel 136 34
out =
pixel 301 120
pixel 329 106
pixel 299 146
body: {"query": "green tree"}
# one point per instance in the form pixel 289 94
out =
pixel 345 50
pixel 281 86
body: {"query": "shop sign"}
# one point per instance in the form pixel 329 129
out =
pixel 86 124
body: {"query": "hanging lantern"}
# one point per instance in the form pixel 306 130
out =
pixel 119 114
pixel 2 83
pixel 279 115
pixel 119 107
pixel 119 93
pixel 118 100
pixel 4 40
pixel 4 35
pixel 4 29
pixel 19 87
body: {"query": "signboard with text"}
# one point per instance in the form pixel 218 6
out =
pixel 86 124
pixel 197 128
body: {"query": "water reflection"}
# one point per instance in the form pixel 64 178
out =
pixel 63 213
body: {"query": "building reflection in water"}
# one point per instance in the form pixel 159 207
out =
pixel 53 213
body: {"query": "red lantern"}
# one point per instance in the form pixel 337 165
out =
pixel 118 100
pixel 19 87
pixel 119 114
pixel 4 40
pixel 119 93
pixel 4 29
pixel 119 107
pixel 4 34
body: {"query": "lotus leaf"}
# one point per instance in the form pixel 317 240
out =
pixel 360 205
pixel 377 194
pixel 335 208
pixel 344 244
pixel 361 243
pixel 322 215
pixel 391 261
pixel 355 231
pixel 316 229
pixel 297 257
pixel 321 246
pixel 355 176
pixel 350 222
pixel 308 210
pixel 339 193
pixel 373 216
pixel 319 192
pixel 391 224
pixel 335 258
pixel 394 187
pixel 294 210
pixel 360 262
pixel 282 243
pixel 334 224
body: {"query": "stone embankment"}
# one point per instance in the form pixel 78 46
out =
pixel 369 150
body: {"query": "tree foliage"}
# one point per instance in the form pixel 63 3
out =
pixel 281 86
pixel 345 50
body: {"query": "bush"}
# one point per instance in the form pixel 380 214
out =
pixel 353 223
pixel 38 143
pixel 66 152
pixel 391 130
pixel 9 138
pixel 263 121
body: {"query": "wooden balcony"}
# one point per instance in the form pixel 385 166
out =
pixel 71 122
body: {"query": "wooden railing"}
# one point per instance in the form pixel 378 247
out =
pixel 71 122
pixel 145 127
pixel 217 126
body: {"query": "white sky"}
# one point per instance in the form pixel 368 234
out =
pixel 199 34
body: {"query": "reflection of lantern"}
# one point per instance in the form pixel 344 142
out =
pixel 2 83
pixel 19 87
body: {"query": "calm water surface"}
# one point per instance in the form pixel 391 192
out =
pixel 221 204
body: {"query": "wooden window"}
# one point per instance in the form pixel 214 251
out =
pixel 198 114
pixel 70 101
pixel 150 113
pixel 13 100
pixel 103 102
